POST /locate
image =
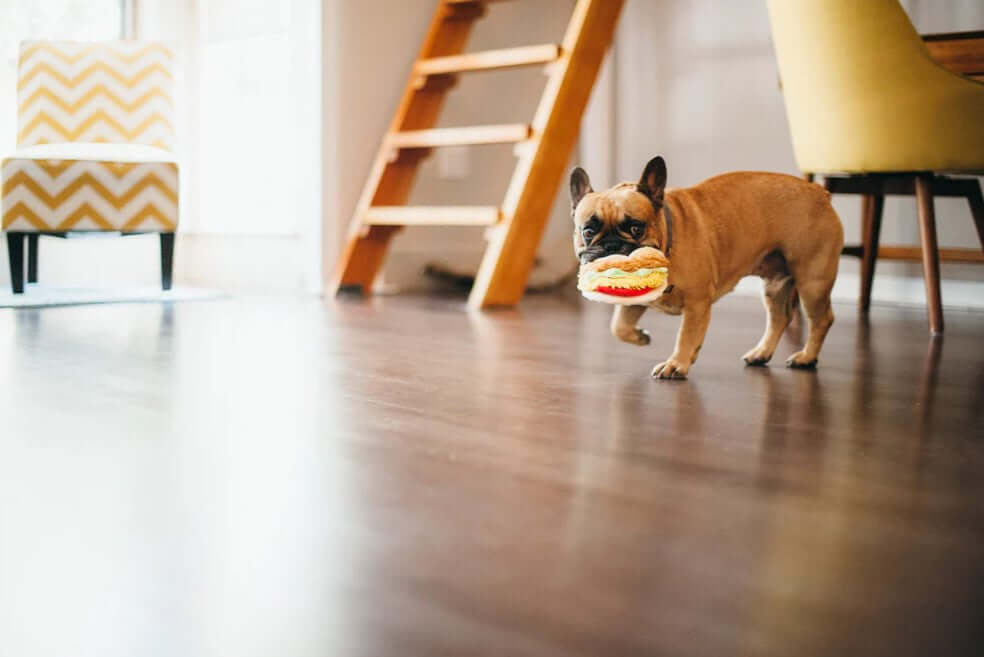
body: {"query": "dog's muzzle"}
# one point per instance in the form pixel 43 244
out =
pixel 607 248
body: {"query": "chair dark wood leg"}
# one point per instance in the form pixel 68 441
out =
pixel 32 257
pixel 930 252
pixel 167 259
pixel 977 210
pixel 15 252
pixel 871 229
pixel 808 176
pixel 865 223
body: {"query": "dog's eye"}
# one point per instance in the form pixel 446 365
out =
pixel 637 230
pixel 590 228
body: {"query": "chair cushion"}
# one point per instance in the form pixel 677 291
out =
pixel 863 94
pixel 90 187
pixel 108 91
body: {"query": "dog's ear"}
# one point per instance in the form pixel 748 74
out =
pixel 653 180
pixel 580 185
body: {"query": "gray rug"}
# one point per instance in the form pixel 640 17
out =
pixel 42 296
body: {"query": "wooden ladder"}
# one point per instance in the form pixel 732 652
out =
pixel 542 148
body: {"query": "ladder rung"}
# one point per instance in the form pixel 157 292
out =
pixel 441 215
pixel 470 135
pixel 489 59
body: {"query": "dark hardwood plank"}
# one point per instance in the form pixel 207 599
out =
pixel 959 52
pixel 399 476
pixel 915 254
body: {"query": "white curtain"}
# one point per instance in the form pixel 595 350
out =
pixel 250 111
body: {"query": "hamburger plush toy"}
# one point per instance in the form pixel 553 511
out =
pixel 633 279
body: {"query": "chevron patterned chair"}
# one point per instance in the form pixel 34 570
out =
pixel 94 140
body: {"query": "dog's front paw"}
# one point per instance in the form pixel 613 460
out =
pixel 671 369
pixel 801 361
pixel 757 357
pixel 636 336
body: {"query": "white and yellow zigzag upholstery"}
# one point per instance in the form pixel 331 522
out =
pixel 94 120
pixel 118 91
pixel 80 187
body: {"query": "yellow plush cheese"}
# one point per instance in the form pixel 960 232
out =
pixel 643 278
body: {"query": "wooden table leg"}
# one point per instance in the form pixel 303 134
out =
pixel 871 230
pixel 930 252
pixel 977 210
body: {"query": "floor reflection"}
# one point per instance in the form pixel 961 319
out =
pixel 794 431
pixel 926 394
pixel 865 374
pixel 28 322
pixel 399 477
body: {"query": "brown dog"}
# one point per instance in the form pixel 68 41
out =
pixel 771 225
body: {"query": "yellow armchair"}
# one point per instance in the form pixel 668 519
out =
pixel 94 148
pixel 871 109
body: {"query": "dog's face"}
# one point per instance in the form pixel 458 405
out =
pixel 621 219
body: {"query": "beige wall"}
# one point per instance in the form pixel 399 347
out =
pixel 694 80
pixel 369 76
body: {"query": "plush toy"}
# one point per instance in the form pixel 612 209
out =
pixel 633 279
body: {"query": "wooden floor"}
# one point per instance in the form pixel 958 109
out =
pixel 401 477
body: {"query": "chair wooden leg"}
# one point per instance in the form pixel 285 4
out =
pixel 872 207
pixel 808 176
pixel 167 259
pixel 32 257
pixel 865 223
pixel 977 210
pixel 15 253
pixel 930 252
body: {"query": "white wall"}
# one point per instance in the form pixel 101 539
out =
pixel 694 80
pixel 249 95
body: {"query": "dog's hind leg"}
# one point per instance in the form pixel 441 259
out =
pixel 813 263
pixel 624 325
pixel 815 296
pixel 778 296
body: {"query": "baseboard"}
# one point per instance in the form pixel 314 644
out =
pixel 893 290
pixel 248 263
pixel 255 263
pixel 405 270
pixel 281 264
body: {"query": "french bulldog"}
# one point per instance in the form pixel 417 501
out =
pixel 775 226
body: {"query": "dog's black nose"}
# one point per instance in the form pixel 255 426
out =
pixel 611 247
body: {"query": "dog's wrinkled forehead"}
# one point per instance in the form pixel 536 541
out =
pixel 614 205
